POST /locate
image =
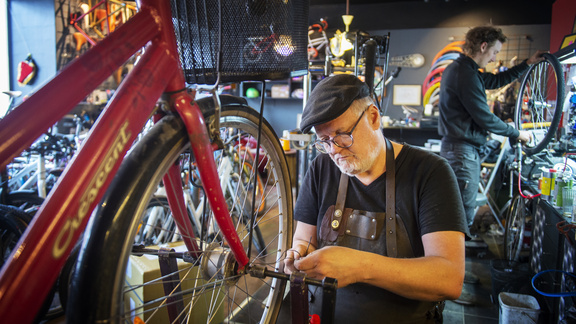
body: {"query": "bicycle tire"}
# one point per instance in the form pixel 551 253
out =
pixel 12 226
pixel 28 201
pixel 252 53
pixel 65 277
pixel 514 231
pixel 540 100
pixel 106 252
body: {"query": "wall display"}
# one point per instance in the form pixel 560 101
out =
pixel 407 95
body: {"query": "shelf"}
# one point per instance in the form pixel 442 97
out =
pixel 567 55
pixel 289 89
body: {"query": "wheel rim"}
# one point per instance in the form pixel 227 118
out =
pixel 539 103
pixel 514 232
pixel 214 295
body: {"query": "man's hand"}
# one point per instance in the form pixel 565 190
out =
pixel 524 137
pixel 331 261
pixel 536 57
pixel 298 251
pixel 304 243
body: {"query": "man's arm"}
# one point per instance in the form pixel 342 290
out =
pixel 438 275
pixel 473 97
pixel 495 81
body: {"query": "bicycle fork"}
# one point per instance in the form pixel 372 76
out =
pixel 203 151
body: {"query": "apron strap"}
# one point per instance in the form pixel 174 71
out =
pixel 391 249
pixel 340 201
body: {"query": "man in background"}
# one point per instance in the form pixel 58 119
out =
pixel 465 117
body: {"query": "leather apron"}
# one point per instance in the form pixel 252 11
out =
pixel 376 232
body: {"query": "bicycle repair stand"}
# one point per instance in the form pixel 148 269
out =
pixel 299 294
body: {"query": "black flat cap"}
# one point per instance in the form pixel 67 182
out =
pixel 331 98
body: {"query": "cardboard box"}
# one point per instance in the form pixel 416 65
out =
pixel 280 91
pixel 146 268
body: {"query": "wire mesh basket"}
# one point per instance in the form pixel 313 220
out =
pixel 261 39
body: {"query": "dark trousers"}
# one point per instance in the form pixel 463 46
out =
pixel 465 161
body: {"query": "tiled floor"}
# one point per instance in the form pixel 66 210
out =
pixel 483 310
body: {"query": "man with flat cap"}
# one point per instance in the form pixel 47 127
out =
pixel 385 219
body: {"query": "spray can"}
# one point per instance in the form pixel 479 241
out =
pixel 548 184
pixel 559 185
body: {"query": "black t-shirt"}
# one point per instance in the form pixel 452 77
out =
pixel 427 196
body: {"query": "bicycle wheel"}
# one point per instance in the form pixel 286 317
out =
pixel 28 201
pixel 209 294
pixel 252 53
pixel 243 162
pixel 13 223
pixel 239 196
pixel 539 103
pixel 514 232
pixel 12 227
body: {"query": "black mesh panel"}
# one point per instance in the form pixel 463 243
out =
pixel 261 39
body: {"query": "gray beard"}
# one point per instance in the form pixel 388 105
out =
pixel 358 166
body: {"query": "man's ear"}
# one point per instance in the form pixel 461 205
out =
pixel 483 47
pixel 374 117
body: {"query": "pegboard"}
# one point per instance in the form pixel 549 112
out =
pixel 519 46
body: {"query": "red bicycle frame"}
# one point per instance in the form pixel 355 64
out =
pixel 33 267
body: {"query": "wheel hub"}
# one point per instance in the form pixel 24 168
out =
pixel 218 263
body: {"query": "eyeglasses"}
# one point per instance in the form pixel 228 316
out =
pixel 344 140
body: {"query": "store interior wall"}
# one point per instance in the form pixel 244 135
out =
pixel 415 27
pixel 282 113
pixel 407 14
pixel 31 30
pixel 423 26
pixel 429 41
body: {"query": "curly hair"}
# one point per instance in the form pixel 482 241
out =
pixel 478 35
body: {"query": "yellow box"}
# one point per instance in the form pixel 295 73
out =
pixel 280 91
pixel 146 268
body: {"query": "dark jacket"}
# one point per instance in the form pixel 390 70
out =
pixel 464 113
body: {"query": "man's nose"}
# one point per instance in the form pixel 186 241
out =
pixel 334 148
